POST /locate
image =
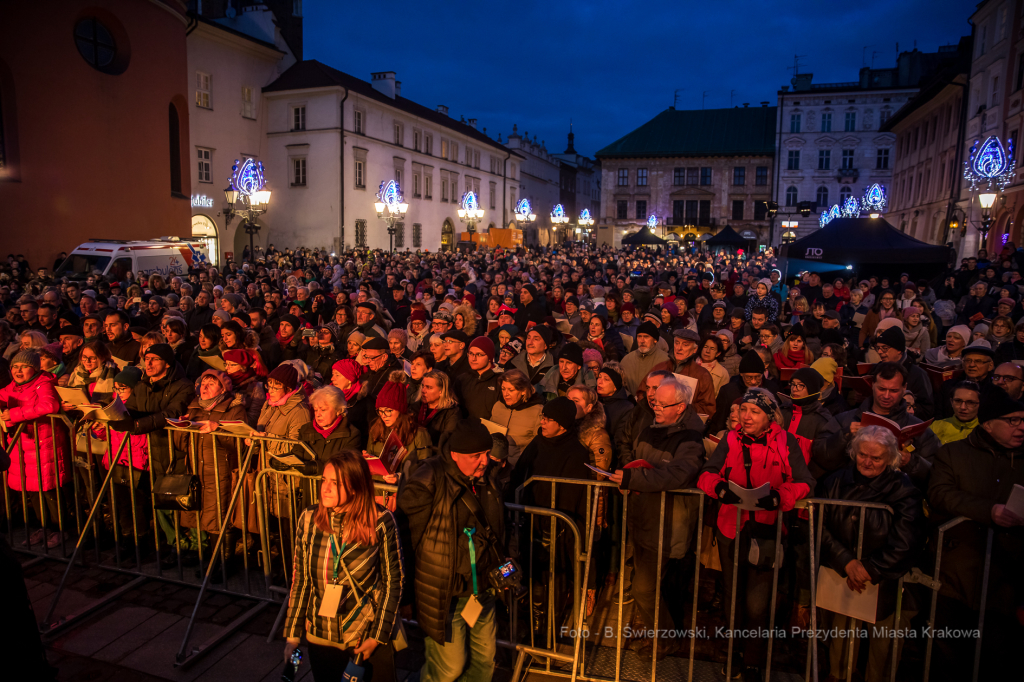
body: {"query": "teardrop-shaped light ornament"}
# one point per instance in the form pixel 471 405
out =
pixel 990 166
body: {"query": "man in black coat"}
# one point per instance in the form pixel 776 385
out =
pixel 120 342
pixel 891 346
pixel 978 364
pixel 478 390
pixel 443 520
pixel 530 309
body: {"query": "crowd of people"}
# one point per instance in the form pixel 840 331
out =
pixel 459 376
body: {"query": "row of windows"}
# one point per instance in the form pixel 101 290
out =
pixel 821 196
pixel 847 161
pixel 424 143
pixel 825 124
pixel 692 211
pixel 695 176
pixel 926 132
pixel 417 235
pixel 204 98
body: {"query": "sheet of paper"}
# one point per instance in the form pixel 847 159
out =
pixel 1015 503
pixel 235 427
pixel 290 460
pixel 115 411
pixel 858 319
pixel 749 496
pixel 472 611
pixel 687 381
pixel 598 469
pixel 75 396
pixel 215 362
pixel 121 364
pixel 494 428
pixel 836 596
pixel 627 341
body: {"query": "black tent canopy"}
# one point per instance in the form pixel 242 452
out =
pixel 727 237
pixel 862 244
pixel 643 236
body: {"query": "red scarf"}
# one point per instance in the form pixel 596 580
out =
pixel 284 340
pixel 351 391
pixel 329 430
pixel 282 401
pixel 792 360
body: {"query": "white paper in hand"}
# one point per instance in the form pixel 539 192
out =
pixel 1015 503
pixel 836 596
pixel 750 496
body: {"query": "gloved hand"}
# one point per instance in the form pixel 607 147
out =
pixel 726 496
pixel 122 425
pixel 770 502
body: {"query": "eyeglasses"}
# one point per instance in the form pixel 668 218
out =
pixel 1012 421
pixel 1005 377
pixel 275 386
pixel 660 406
pixel 966 403
pixel 385 411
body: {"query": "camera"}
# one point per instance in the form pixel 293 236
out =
pixel 308 333
pixel 508 576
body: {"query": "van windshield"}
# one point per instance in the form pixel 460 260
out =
pixel 81 265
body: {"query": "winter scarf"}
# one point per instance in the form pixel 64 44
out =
pixel 284 398
pixel 325 432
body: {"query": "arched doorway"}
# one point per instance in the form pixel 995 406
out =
pixel 447 236
pixel 204 228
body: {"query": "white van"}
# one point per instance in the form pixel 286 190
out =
pixel 168 256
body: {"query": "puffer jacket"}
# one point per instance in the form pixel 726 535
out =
pixel 731 361
pixel 594 437
pixel 29 403
pixel 676 453
pixel 892 542
pixel 430 501
pixel 813 426
pixel 522 421
pixel 213 467
pixel 775 458
pixel 151 404
pixel 438 423
pixel 970 477
pixel 137 447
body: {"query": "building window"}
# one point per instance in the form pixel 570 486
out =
pixel 791 196
pixel 822 196
pixel 621 209
pixel 493 195
pixel 297 8
pixel 360 234
pixel 360 179
pixel 641 177
pixel 398 176
pixel 739 175
pixel 679 176
pixel 883 116
pixel 203 90
pixel 623 177
pixel 204 157
pixel 398 134
pixel 476 158
pixel 416 140
pixel 760 210
pixel 851 121
pixel 299 118
pixel 455 188
pixel 248 103
pixel 848 159
pixel 97 46
pixel 444 188
pixel 691 212
pixel 824 159
pixel 298 172
pixel 428 145
pixel 794 160
pixel 692 176
pixel 678 211
pixel 761 176
pixel 844 194
pixel 794 123
pixel 399 235
pixel 826 123
pixel 444 148
pixel 995 90
pixel 705 176
pixel 358 118
pixel 417 235
pixel 882 159
pixel 737 209
pixel 453 149
pixel 641 210
pixel 428 186
pixel 704 213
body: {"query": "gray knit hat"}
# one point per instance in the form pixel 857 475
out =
pixel 26 357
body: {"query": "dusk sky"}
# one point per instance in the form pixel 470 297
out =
pixel 611 66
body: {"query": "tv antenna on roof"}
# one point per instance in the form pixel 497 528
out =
pixel 796 63
pixel 675 97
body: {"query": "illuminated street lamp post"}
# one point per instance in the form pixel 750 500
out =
pixel 470 211
pixel 247 189
pixel 524 214
pixel 584 223
pixel 390 207
pixel 989 171
pixel 558 218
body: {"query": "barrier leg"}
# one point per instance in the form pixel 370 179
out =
pixel 586 576
pixel 984 598
pixel 622 585
pixel 732 600
pixel 696 585
pixel 812 641
pixel 775 591
pixel 657 587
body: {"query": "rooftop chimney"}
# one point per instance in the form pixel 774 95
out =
pixel 384 83
pixel 442 109
pixel 472 123
pixel 764 104
pixel 746 104
pixel 398 88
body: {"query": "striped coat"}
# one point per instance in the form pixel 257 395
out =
pixel 376 569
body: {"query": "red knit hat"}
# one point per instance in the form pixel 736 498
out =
pixel 393 396
pixel 246 358
pixel 484 344
pixel 418 316
pixel 350 369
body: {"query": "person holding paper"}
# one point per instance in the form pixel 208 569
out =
pixel 981 477
pixel 395 436
pixel 759 452
pixel 667 455
pixel 121 343
pixel 518 412
pixel 685 359
pixel 892 542
pixel 94 374
pixel 347 579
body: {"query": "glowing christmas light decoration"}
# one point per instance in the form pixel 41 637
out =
pixel 524 211
pixel 585 220
pixel 558 216
pixel 247 177
pixel 652 222
pixel 990 166
pixel 874 200
pixel 469 202
pixel 851 208
pixel 829 215
pixel 390 194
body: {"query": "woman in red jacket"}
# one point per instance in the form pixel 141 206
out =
pixel 27 400
pixel 758 451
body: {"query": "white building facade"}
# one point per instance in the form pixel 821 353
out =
pixel 230 60
pixel 332 139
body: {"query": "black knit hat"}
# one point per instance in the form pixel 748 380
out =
pixel 572 353
pixel 649 329
pixel 996 403
pixel 894 338
pixel 287 375
pixel 292 320
pixel 752 363
pixel 470 437
pixel 810 378
pixel 796 330
pixel 162 351
pixel 615 377
pixel 562 411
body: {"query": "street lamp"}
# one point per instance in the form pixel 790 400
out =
pixel 390 207
pixel 986 199
pixel 524 214
pixel 470 211
pixel 247 196
pixel 558 217
pixel 584 222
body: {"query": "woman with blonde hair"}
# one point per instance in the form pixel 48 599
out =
pixel 346 548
